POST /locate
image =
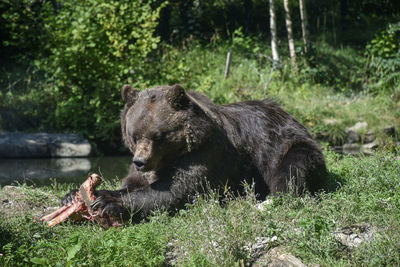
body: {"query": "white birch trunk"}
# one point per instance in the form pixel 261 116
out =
pixel 304 26
pixel 292 50
pixel 272 22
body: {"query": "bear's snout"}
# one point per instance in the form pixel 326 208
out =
pixel 143 157
pixel 140 163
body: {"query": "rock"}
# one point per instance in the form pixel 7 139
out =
pixel 389 130
pixel 330 121
pixel 369 148
pixel 338 149
pixel 277 257
pixel 259 248
pixel 353 137
pixel 359 126
pixel 354 235
pixel 263 205
pixel 42 145
pixel 351 149
pixel 369 137
pixel 353 133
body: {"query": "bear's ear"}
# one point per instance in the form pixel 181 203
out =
pixel 177 97
pixel 129 94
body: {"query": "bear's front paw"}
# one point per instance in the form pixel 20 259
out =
pixel 107 205
pixel 69 198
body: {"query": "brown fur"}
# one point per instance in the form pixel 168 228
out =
pixel 182 141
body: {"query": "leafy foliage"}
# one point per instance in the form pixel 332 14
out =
pixel 92 48
pixel 22 26
pixel 383 54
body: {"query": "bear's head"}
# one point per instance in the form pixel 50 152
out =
pixel 156 125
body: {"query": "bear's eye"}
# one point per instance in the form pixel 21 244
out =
pixel 157 137
pixel 134 140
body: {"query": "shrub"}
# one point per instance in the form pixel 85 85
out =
pixel 383 54
pixel 93 48
pixel 21 27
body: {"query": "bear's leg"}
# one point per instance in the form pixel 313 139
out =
pixel 302 167
pixel 171 191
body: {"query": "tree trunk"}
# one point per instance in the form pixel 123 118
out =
pixel 165 16
pixel 228 63
pixel 272 22
pixel 248 11
pixel 304 27
pixel 290 34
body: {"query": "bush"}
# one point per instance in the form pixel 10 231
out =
pixel 21 27
pixel 93 48
pixel 383 54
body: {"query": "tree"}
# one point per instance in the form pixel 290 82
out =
pixel 272 19
pixel 304 27
pixel 290 34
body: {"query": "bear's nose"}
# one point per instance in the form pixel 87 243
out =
pixel 139 163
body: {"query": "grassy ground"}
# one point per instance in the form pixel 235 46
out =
pixel 211 233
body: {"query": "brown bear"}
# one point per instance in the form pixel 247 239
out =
pixel 182 143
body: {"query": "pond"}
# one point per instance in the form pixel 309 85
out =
pixel 42 171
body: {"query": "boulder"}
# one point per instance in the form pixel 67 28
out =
pixel 354 235
pixel 369 137
pixel 359 126
pixel 277 257
pixel 353 137
pixel 369 148
pixel 262 206
pixel 43 145
pixel 351 149
pixel 331 121
pixel 389 130
pixel 353 133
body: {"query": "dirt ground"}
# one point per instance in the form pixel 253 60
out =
pixel 20 201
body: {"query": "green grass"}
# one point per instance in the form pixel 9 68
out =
pixel 214 233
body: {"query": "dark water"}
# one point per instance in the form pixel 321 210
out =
pixel 42 171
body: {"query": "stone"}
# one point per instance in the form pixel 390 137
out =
pixel 331 121
pixel 369 137
pixel 373 146
pixel 353 137
pixel 369 148
pixel 353 133
pixel 43 145
pixel 389 130
pixel 354 235
pixel 277 257
pixel 351 149
pixel 338 149
pixel 359 126
pixel 262 206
